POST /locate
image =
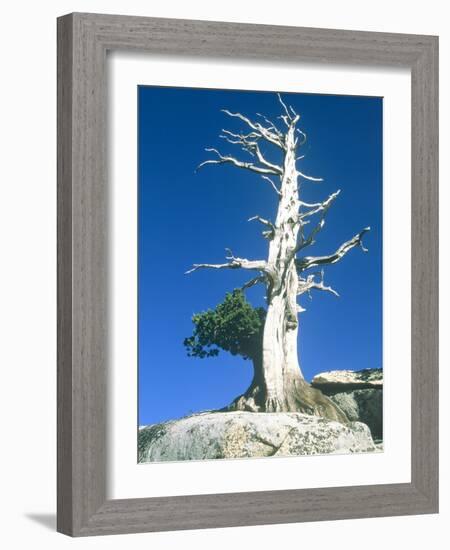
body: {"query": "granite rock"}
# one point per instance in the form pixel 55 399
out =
pixel 214 435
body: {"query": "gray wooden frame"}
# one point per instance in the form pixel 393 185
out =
pixel 83 40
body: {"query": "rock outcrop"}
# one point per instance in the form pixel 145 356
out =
pixel 358 393
pixel 336 381
pixel 240 434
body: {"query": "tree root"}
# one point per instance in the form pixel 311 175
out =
pixel 300 397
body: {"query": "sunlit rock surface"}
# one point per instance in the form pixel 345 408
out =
pixel 239 434
pixel 336 380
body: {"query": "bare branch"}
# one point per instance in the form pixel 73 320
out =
pixel 310 239
pixel 268 234
pixel 273 184
pixel 303 136
pixel 271 124
pixel 263 221
pixel 244 137
pixel 233 263
pixel 249 143
pixel 211 266
pixel 232 141
pixel 286 110
pixel 223 159
pixel 254 281
pixel 320 206
pixel 310 205
pixel 294 114
pixel 285 119
pixel 321 286
pixel 310 178
pixel 311 261
pixel 265 133
pixel 308 284
pixel 276 169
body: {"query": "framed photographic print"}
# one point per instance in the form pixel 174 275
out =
pixel 247 274
pixel 255 315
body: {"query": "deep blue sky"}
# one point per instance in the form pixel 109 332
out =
pixel 187 217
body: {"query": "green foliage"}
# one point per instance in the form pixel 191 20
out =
pixel 234 326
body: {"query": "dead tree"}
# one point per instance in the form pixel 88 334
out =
pixel 287 273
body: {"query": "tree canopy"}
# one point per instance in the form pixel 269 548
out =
pixel 234 326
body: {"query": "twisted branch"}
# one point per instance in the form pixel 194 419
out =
pixel 271 126
pixel 270 233
pixel 266 133
pixel 313 261
pixel 263 221
pixel 319 206
pixel 308 284
pixel 254 281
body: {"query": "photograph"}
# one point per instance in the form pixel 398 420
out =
pixel 259 274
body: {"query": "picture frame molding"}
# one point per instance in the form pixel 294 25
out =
pixel 83 238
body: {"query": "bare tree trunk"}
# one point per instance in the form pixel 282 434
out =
pixel 285 386
pixel 280 330
pixel 296 395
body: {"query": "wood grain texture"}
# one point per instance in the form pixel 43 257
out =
pixel 424 276
pixel 83 40
pixel 64 297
